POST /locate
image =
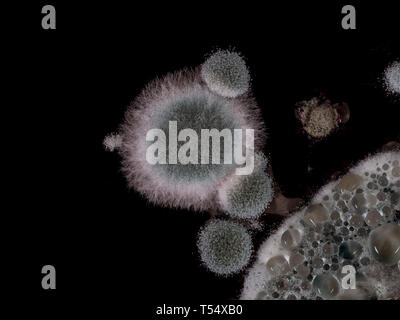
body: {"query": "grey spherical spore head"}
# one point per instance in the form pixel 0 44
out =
pixel 225 246
pixel 225 73
pixel 248 196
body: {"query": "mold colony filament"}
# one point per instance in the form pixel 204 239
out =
pixel 351 222
pixel 211 97
pixel 183 98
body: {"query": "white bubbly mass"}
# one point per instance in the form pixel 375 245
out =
pixel 333 230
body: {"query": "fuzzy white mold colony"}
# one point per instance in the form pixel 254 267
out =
pixel 247 196
pixel 225 246
pixel 226 74
pixel 184 98
pixel 352 221
pixel 392 78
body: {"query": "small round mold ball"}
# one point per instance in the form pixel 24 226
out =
pixel 391 78
pixel 319 119
pixel 226 74
pixel 247 196
pixel 225 246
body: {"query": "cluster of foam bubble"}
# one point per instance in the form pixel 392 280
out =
pixel 352 221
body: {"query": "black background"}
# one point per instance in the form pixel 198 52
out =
pixel 70 87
